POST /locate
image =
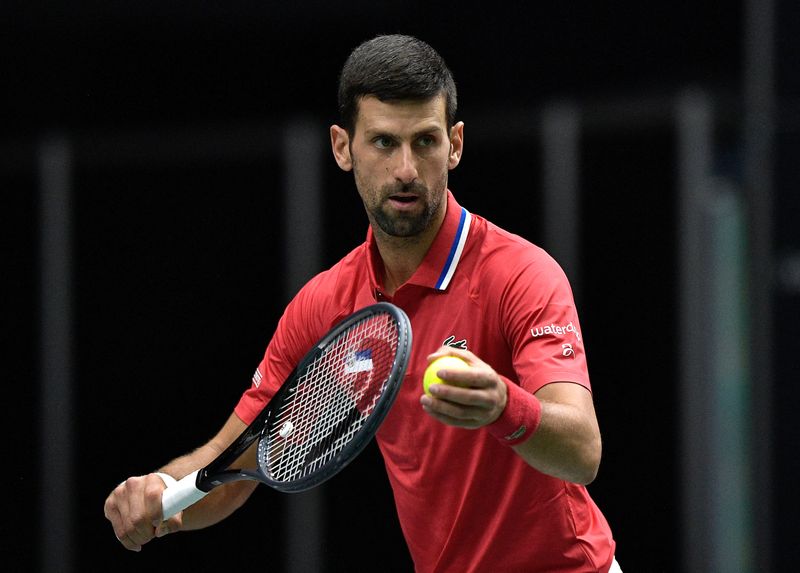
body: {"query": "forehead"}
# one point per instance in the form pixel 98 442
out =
pixel 399 115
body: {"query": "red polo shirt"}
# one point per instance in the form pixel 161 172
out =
pixel 466 502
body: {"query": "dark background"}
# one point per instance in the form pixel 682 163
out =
pixel 178 260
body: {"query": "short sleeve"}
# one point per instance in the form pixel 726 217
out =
pixel 541 324
pixel 298 330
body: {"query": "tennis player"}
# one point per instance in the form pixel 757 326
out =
pixel 488 473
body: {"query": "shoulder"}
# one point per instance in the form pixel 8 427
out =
pixel 330 294
pixel 346 271
pixel 502 257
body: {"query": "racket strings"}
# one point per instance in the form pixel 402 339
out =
pixel 333 397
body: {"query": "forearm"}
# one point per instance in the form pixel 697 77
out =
pixel 566 444
pixel 134 507
pixel 222 500
pixel 554 431
pixel 186 464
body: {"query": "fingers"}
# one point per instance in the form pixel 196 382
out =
pixel 134 510
pixel 472 397
pixel 478 375
pixel 463 393
pixel 447 414
pixel 464 407
pixel 172 525
pixel 111 510
pixel 466 355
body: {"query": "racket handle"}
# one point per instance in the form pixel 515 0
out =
pixel 180 495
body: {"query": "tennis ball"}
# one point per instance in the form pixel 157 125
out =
pixel 443 363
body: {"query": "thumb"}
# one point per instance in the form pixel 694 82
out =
pixel 162 529
pixel 171 525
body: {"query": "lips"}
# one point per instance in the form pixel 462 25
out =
pixel 403 202
pixel 404 198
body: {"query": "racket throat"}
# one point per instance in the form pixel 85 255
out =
pixel 324 445
pixel 207 482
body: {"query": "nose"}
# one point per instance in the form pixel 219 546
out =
pixel 405 169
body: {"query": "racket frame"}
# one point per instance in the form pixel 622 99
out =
pixel 217 473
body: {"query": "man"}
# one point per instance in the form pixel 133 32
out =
pixel 488 474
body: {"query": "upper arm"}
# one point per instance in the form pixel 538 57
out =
pixel 223 500
pixel 540 323
pixel 570 394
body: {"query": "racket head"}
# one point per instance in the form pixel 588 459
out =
pixel 333 403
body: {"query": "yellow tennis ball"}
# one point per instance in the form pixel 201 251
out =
pixel 443 363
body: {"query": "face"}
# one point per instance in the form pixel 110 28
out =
pixel 400 153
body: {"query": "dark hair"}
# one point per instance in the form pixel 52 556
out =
pixel 394 67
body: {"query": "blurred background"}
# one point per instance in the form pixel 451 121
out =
pixel 166 185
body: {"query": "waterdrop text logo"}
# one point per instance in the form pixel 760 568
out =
pixel 555 330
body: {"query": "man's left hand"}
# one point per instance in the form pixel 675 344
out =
pixel 473 397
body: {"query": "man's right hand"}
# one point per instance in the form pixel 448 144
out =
pixel 134 510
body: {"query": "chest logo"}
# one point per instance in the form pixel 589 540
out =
pixel 453 343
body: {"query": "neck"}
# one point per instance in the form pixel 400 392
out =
pixel 402 256
pixel 400 262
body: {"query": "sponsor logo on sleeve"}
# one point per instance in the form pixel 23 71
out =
pixel 257 378
pixel 555 330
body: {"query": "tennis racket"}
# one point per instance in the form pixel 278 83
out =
pixel 324 414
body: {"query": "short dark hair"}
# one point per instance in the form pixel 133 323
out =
pixel 394 67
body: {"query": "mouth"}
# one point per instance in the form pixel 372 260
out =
pixel 403 201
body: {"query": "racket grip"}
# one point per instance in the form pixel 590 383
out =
pixel 180 495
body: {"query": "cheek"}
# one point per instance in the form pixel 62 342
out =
pixel 435 163
pixel 364 184
pixel 369 172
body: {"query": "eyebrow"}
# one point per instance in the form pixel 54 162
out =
pixel 427 130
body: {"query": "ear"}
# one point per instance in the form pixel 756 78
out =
pixel 340 143
pixel 456 145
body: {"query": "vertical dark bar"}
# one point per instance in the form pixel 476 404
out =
pixel 759 130
pixel 56 405
pixel 561 220
pixel 303 242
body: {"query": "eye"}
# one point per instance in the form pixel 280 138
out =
pixel 426 141
pixel 383 142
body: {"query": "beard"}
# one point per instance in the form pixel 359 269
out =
pixel 402 223
pixel 405 224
